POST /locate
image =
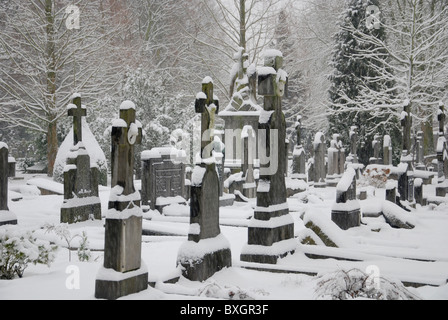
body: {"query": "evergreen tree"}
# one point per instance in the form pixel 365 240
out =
pixel 356 66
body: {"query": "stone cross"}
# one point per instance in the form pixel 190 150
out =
pixel 272 223
pixel 197 264
pixel 406 123
pixel 77 111
pixel 207 104
pixel 124 272
pixel 126 134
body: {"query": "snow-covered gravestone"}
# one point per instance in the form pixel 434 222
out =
pixel 6 216
pixel 442 155
pixel 299 156
pixel 249 149
pixel 207 251
pixel 81 195
pixel 387 150
pixel 91 145
pixel 319 160
pixel 353 156
pixel 376 145
pixel 271 231
pixel 123 272
pixel 346 213
pixel 163 177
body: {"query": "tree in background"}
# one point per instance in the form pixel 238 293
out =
pixel 357 68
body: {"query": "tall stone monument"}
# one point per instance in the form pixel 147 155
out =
pixel 299 155
pixel 81 193
pixel 442 155
pixel 406 179
pixel 320 168
pixel 123 272
pixel 6 216
pixel 387 151
pixel 207 251
pixel 271 231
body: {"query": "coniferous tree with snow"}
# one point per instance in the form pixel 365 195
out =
pixel 353 80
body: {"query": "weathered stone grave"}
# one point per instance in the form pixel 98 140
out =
pixel 163 177
pixel 346 212
pixel 81 193
pixel 299 155
pixel 271 231
pixel 207 251
pixel 123 272
pixel 11 167
pixel 6 216
pixel 320 168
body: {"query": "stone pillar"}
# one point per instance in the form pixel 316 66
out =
pixel 319 160
pixel 418 192
pixel 123 272
pixel 11 167
pixel 199 264
pixel 249 185
pixel 271 231
pixel 6 217
pixel 387 150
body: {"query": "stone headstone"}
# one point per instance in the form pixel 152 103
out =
pixel 11 167
pixel 353 156
pixel 163 177
pixel 346 213
pixel 6 216
pixel 299 155
pixel 207 251
pixel 419 150
pixel 406 123
pixel 319 160
pixel 376 145
pixel 387 150
pixel 418 192
pixel 271 231
pixel 81 193
pixel 123 272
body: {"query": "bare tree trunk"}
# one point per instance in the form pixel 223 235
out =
pixel 243 24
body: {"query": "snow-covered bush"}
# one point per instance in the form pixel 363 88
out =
pixel 355 284
pixel 20 248
pixel 64 233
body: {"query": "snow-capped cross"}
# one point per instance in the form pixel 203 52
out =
pixel 77 111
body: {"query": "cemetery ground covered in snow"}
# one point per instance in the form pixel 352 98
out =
pixel 416 257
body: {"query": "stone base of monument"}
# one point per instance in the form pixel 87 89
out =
pixel 112 285
pixel 346 219
pixel 442 189
pixel 201 260
pixel 7 218
pixel 268 254
pixel 74 214
pixel 227 200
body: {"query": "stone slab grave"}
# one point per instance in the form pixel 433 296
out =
pixel 207 251
pixel 163 178
pixel 81 193
pixel 346 212
pixel 123 272
pixel 271 230
pixel 6 216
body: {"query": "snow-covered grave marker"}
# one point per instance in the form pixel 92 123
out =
pixel 163 177
pixel 320 151
pixel 346 212
pixel 406 179
pixel 6 216
pixel 207 251
pixel 442 155
pixel 271 231
pixel 81 193
pixel 123 272
pixel 299 155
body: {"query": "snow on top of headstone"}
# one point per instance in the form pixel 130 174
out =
pixel 387 142
pixel 207 80
pixel 126 105
pixel 71 106
pixel 3 145
pixel 215 97
pixel 264 71
pixel 151 154
pixel 318 138
pixel 201 96
pixel 119 123
pixel 265 116
pixel 441 104
pixel 197 176
pixel 403 115
pixel 406 102
pixel 76 95
pixel 391 184
pixel 282 75
pixel 441 144
pixel 251 69
pixel 191 250
pixel 272 53
pixel 346 180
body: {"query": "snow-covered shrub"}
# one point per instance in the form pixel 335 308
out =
pixel 375 177
pixel 20 248
pixel 64 233
pixel 355 284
